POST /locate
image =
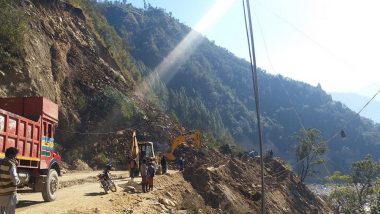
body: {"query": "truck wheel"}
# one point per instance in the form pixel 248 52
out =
pixel 51 186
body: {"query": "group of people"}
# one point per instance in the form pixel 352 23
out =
pixel 9 177
pixel 148 170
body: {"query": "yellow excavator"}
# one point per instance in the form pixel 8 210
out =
pixel 191 138
pixel 141 150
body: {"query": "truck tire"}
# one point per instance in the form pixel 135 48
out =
pixel 50 186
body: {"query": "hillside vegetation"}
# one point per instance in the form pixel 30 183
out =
pixel 91 58
pixel 212 91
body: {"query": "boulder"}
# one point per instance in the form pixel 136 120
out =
pixel 167 202
pixel 130 189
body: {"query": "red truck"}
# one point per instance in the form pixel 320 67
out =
pixel 28 123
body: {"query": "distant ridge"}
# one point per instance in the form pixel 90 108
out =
pixel 355 102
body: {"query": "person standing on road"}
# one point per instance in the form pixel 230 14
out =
pixel 181 163
pixel 151 171
pixel 164 165
pixel 8 182
pixel 132 168
pixel 144 183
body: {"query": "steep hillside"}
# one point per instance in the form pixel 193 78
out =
pixel 70 55
pixel 212 90
pixel 64 59
pixel 73 56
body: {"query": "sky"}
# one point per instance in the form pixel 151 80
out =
pixel 332 42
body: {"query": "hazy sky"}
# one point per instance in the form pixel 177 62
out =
pixel 332 42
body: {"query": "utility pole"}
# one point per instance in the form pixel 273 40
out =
pixel 252 56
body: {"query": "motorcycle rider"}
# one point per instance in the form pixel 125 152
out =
pixel 105 174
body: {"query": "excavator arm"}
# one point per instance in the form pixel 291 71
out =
pixel 181 139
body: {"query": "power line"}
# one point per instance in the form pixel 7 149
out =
pixel 308 37
pixel 92 133
pixel 299 120
pixel 356 114
pixel 286 92
pixel 298 162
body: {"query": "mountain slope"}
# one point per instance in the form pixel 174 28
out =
pixel 66 60
pixel 71 55
pixel 212 91
pixel 91 69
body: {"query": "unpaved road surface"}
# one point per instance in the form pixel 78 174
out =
pixel 84 193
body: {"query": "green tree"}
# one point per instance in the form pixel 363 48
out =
pixel 364 173
pixel 309 151
pixel 358 189
pixel 12 28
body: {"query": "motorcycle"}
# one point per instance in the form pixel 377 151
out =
pixel 106 181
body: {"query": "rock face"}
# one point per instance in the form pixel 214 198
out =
pixel 66 61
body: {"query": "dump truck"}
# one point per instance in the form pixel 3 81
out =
pixel 28 123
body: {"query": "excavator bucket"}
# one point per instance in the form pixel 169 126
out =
pixel 134 146
pixel 170 157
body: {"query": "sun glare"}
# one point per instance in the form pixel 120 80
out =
pixel 165 71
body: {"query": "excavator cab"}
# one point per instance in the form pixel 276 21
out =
pixel 146 150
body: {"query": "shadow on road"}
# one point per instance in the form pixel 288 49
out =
pixel 94 193
pixel 25 191
pixel 26 203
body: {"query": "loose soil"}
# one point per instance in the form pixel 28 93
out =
pixel 171 194
pixel 217 184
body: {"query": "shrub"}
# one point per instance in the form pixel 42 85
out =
pixel 12 29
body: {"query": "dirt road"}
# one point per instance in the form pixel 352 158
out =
pixel 81 195
pixel 171 194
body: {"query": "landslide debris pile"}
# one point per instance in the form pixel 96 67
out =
pixel 172 194
pixel 232 185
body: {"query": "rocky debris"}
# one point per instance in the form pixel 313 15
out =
pixel 80 166
pixel 128 211
pixel 167 202
pixel 169 194
pixel 130 189
pixel 233 185
pixel 183 198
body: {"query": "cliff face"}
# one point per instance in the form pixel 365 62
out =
pixel 66 61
